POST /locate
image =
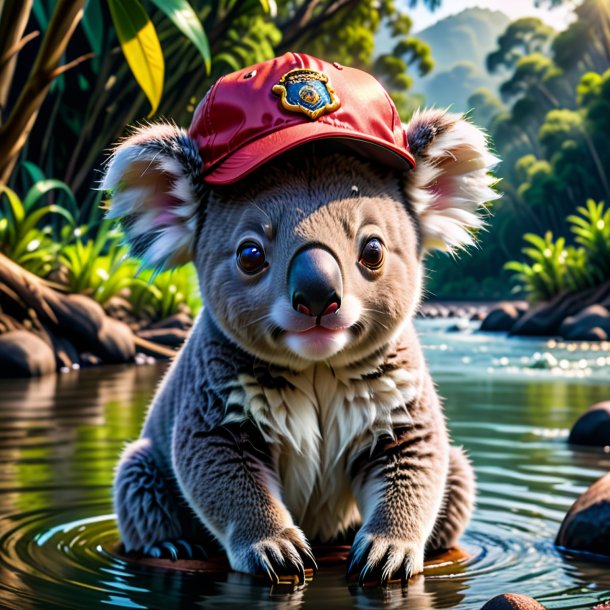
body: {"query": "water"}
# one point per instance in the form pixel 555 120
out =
pixel 509 402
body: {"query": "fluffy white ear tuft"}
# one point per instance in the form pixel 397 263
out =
pixel 451 179
pixel 153 177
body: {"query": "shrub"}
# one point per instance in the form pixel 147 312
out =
pixel 555 267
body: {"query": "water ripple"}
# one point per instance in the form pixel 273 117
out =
pixel 60 438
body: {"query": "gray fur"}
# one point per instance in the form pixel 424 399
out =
pixel 265 446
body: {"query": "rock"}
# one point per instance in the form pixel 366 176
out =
pixel 501 318
pixel 512 601
pixel 442 312
pixel 115 342
pixel 119 308
pixel 593 427
pixel 179 320
pixel 478 316
pixel 593 334
pixel 80 319
pixel 23 354
pixel 545 318
pixel 460 326
pixel 172 337
pixel 590 324
pixel 586 527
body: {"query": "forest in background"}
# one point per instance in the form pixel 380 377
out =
pixel 549 122
pixel 68 89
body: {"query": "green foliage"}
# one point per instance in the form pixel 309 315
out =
pixel 99 266
pixel 552 137
pixel 90 105
pixel 534 72
pixel 21 236
pixel 159 296
pixel 485 106
pixel 546 276
pixel 521 38
pixel 96 266
pixel 592 230
pixel 86 258
pixel 182 15
pixel 555 267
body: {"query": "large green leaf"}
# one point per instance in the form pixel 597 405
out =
pixel 185 19
pixel 33 171
pixel 141 47
pixel 42 187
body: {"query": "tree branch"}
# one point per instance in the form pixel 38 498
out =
pixel 71 64
pixel 293 33
pixel 10 53
pixel 13 21
pixel 15 131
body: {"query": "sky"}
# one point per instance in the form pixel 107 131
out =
pixel 557 17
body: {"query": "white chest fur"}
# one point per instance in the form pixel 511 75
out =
pixel 318 421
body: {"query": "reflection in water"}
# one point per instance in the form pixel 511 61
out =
pixel 60 438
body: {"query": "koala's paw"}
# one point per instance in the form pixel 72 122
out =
pixel 283 557
pixel 377 560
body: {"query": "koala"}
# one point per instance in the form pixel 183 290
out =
pixel 300 407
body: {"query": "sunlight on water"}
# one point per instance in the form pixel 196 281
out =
pixel 509 402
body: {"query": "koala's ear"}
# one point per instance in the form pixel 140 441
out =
pixel 154 181
pixel 451 180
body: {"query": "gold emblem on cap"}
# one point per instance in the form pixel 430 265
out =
pixel 304 90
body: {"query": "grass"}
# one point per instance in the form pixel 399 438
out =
pixel 88 257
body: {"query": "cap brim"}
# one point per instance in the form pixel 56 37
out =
pixel 258 152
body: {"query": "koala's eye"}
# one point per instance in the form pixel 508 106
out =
pixel 372 254
pixel 251 257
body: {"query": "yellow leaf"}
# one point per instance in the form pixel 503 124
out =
pixel 141 47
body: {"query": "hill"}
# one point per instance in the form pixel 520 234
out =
pixel 466 37
pixel 460 43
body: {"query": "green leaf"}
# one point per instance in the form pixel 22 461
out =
pixel 34 172
pixel 141 47
pixel 35 217
pixel 185 19
pixel 44 186
pixel 93 24
pixel 229 60
pixel 16 206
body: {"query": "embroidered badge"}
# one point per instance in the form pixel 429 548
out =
pixel 306 91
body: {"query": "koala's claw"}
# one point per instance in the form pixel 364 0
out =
pixel 174 550
pixel 284 558
pixel 379 561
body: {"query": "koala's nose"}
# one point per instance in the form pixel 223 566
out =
pixel 314 282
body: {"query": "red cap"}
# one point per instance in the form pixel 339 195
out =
pixel 253 115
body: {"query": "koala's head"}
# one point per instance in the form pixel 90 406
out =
pixel 316 255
